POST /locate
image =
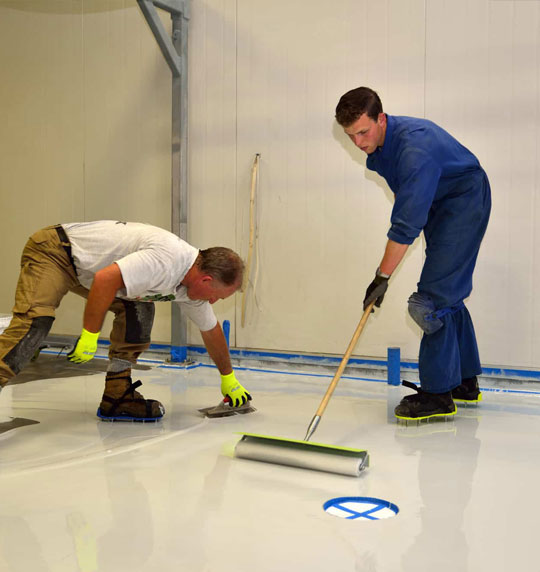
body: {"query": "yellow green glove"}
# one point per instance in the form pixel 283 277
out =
pixel 85 348
pixel 233 392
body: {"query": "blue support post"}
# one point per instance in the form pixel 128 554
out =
pixel 178 354
pixel 394 359
pixel 227 330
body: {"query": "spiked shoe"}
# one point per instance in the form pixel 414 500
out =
pixel 424 405
pixel 468 391
pixel 120 401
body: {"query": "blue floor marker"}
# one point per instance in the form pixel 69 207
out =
pixel 360 508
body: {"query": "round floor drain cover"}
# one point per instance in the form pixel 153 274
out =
pixel 360 508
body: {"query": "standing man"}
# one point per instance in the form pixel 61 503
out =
pixel 441 189
pixel 125 268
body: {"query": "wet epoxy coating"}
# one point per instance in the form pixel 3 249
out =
pixel 79 494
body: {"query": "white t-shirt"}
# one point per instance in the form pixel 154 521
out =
pixel 152 261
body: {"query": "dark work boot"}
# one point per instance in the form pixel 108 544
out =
pixel 120 401
pixel 468 391
pixel 424 405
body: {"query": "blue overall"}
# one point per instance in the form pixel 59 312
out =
pixel 440 188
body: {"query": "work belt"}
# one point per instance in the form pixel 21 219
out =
pixel 66 245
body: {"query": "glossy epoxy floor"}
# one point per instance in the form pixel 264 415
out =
pixel 79 494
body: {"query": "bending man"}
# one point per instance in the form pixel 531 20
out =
pixel 125 268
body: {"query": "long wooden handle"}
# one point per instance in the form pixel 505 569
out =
pixel 247 271
pixel 345 360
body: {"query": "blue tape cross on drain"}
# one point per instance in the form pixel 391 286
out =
pixel 360 508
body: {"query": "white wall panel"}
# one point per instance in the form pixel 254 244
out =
pixel 483 85
pixel 42 136
pixel 322 222
pixel 471 66
pixel 85 101
pixel 212 134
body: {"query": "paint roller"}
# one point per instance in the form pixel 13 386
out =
pixel 304 454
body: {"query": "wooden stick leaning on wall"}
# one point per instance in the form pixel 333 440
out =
pixel 254 180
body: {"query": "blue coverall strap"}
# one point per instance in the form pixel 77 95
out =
pixel 438 314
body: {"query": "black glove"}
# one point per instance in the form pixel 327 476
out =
pixel 376 290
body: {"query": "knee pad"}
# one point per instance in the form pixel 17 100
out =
pixel 25 349
pixel 139 321
pixel 422 311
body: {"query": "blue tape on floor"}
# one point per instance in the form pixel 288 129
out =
pixel 301 359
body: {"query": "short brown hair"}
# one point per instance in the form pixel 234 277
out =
pixel 223 264
pixel 355 103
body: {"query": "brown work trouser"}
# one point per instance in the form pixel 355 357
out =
pixel 47 274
